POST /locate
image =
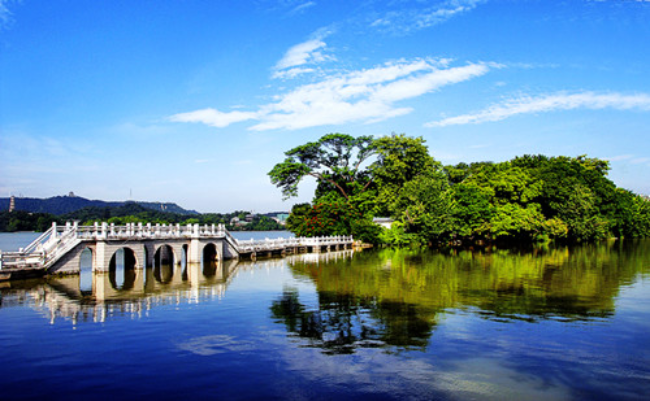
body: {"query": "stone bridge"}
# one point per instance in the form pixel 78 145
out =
pixel 138 246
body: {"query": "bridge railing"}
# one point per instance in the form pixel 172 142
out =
pixel 273 244
pixel 39 242
pixel 103 231
pixel 60 239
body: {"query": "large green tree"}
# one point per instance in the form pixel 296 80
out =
pixel 400 159
pixel 335 161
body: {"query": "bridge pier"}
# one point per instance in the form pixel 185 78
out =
pixel 104 252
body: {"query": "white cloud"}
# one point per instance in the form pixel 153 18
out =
pixel 408 19
pixel 619 158
pixel 213 117
pixel 366 96
pixel 309 52
pixel 302 7
pixel 548 103
pixel 5 13
pixel 361 96
pixel 301 53
pixel 640 160
pixel 292 72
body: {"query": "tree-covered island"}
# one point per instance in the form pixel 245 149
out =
pixel 524 200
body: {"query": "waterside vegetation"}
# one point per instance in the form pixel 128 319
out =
pixel 531 198
pixel 132 212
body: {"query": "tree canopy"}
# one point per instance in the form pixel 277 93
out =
pixel 529 198
pixel 334 160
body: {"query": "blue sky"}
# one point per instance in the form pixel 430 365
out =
pixel 194 101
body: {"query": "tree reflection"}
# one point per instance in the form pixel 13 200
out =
pixel 394 297
pixel 343 322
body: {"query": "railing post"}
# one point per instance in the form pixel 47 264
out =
pixel 104 229
pixel 54 233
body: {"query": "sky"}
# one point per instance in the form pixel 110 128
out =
pixel 195 101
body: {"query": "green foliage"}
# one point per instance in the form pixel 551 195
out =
pixel 334 160
pixel 401 159
pixel 425 206
pixel 323 219
pixel 61 205
pixel 472 211
pixel 24 221
pixel 130 212
pixel 527 199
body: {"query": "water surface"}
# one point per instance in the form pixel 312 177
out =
pixel 554 324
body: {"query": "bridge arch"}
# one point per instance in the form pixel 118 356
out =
pixel 86 268
pixel 163 268
pixel 121 269
pixel 210 253
pixel 185 249
pixel 164 255
pixel 209 259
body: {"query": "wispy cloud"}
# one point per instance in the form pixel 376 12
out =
pixel 365 96
pixel 212 117
pixel 305 53
pixel 619 158
pixel 5 13
pixel 301 7
pixel 549 103
pixel 416 17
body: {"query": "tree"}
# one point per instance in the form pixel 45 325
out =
pixel 400 160
pixel 334 160
pixel 425 208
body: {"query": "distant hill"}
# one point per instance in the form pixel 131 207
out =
pixel 59 205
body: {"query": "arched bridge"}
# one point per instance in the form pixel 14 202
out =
pixel 59 249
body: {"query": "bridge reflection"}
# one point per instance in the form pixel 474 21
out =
pixel 92 297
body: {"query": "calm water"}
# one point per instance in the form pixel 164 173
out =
pixel 558 324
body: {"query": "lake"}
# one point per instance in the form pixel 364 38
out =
pixel 561 323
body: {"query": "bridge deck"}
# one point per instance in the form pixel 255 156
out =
pixel 55 243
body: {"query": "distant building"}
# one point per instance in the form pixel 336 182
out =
pixel 385 222
pixel 12 204
pixel 71 194
pixel 282 217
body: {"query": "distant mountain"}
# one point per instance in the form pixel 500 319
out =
pixel 59 205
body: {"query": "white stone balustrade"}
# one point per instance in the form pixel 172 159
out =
pixel 58 240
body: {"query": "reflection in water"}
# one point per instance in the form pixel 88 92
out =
pixel 68 297
pixel 121 269
pixel 557 323
pixel 163 273
pixel 396 297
